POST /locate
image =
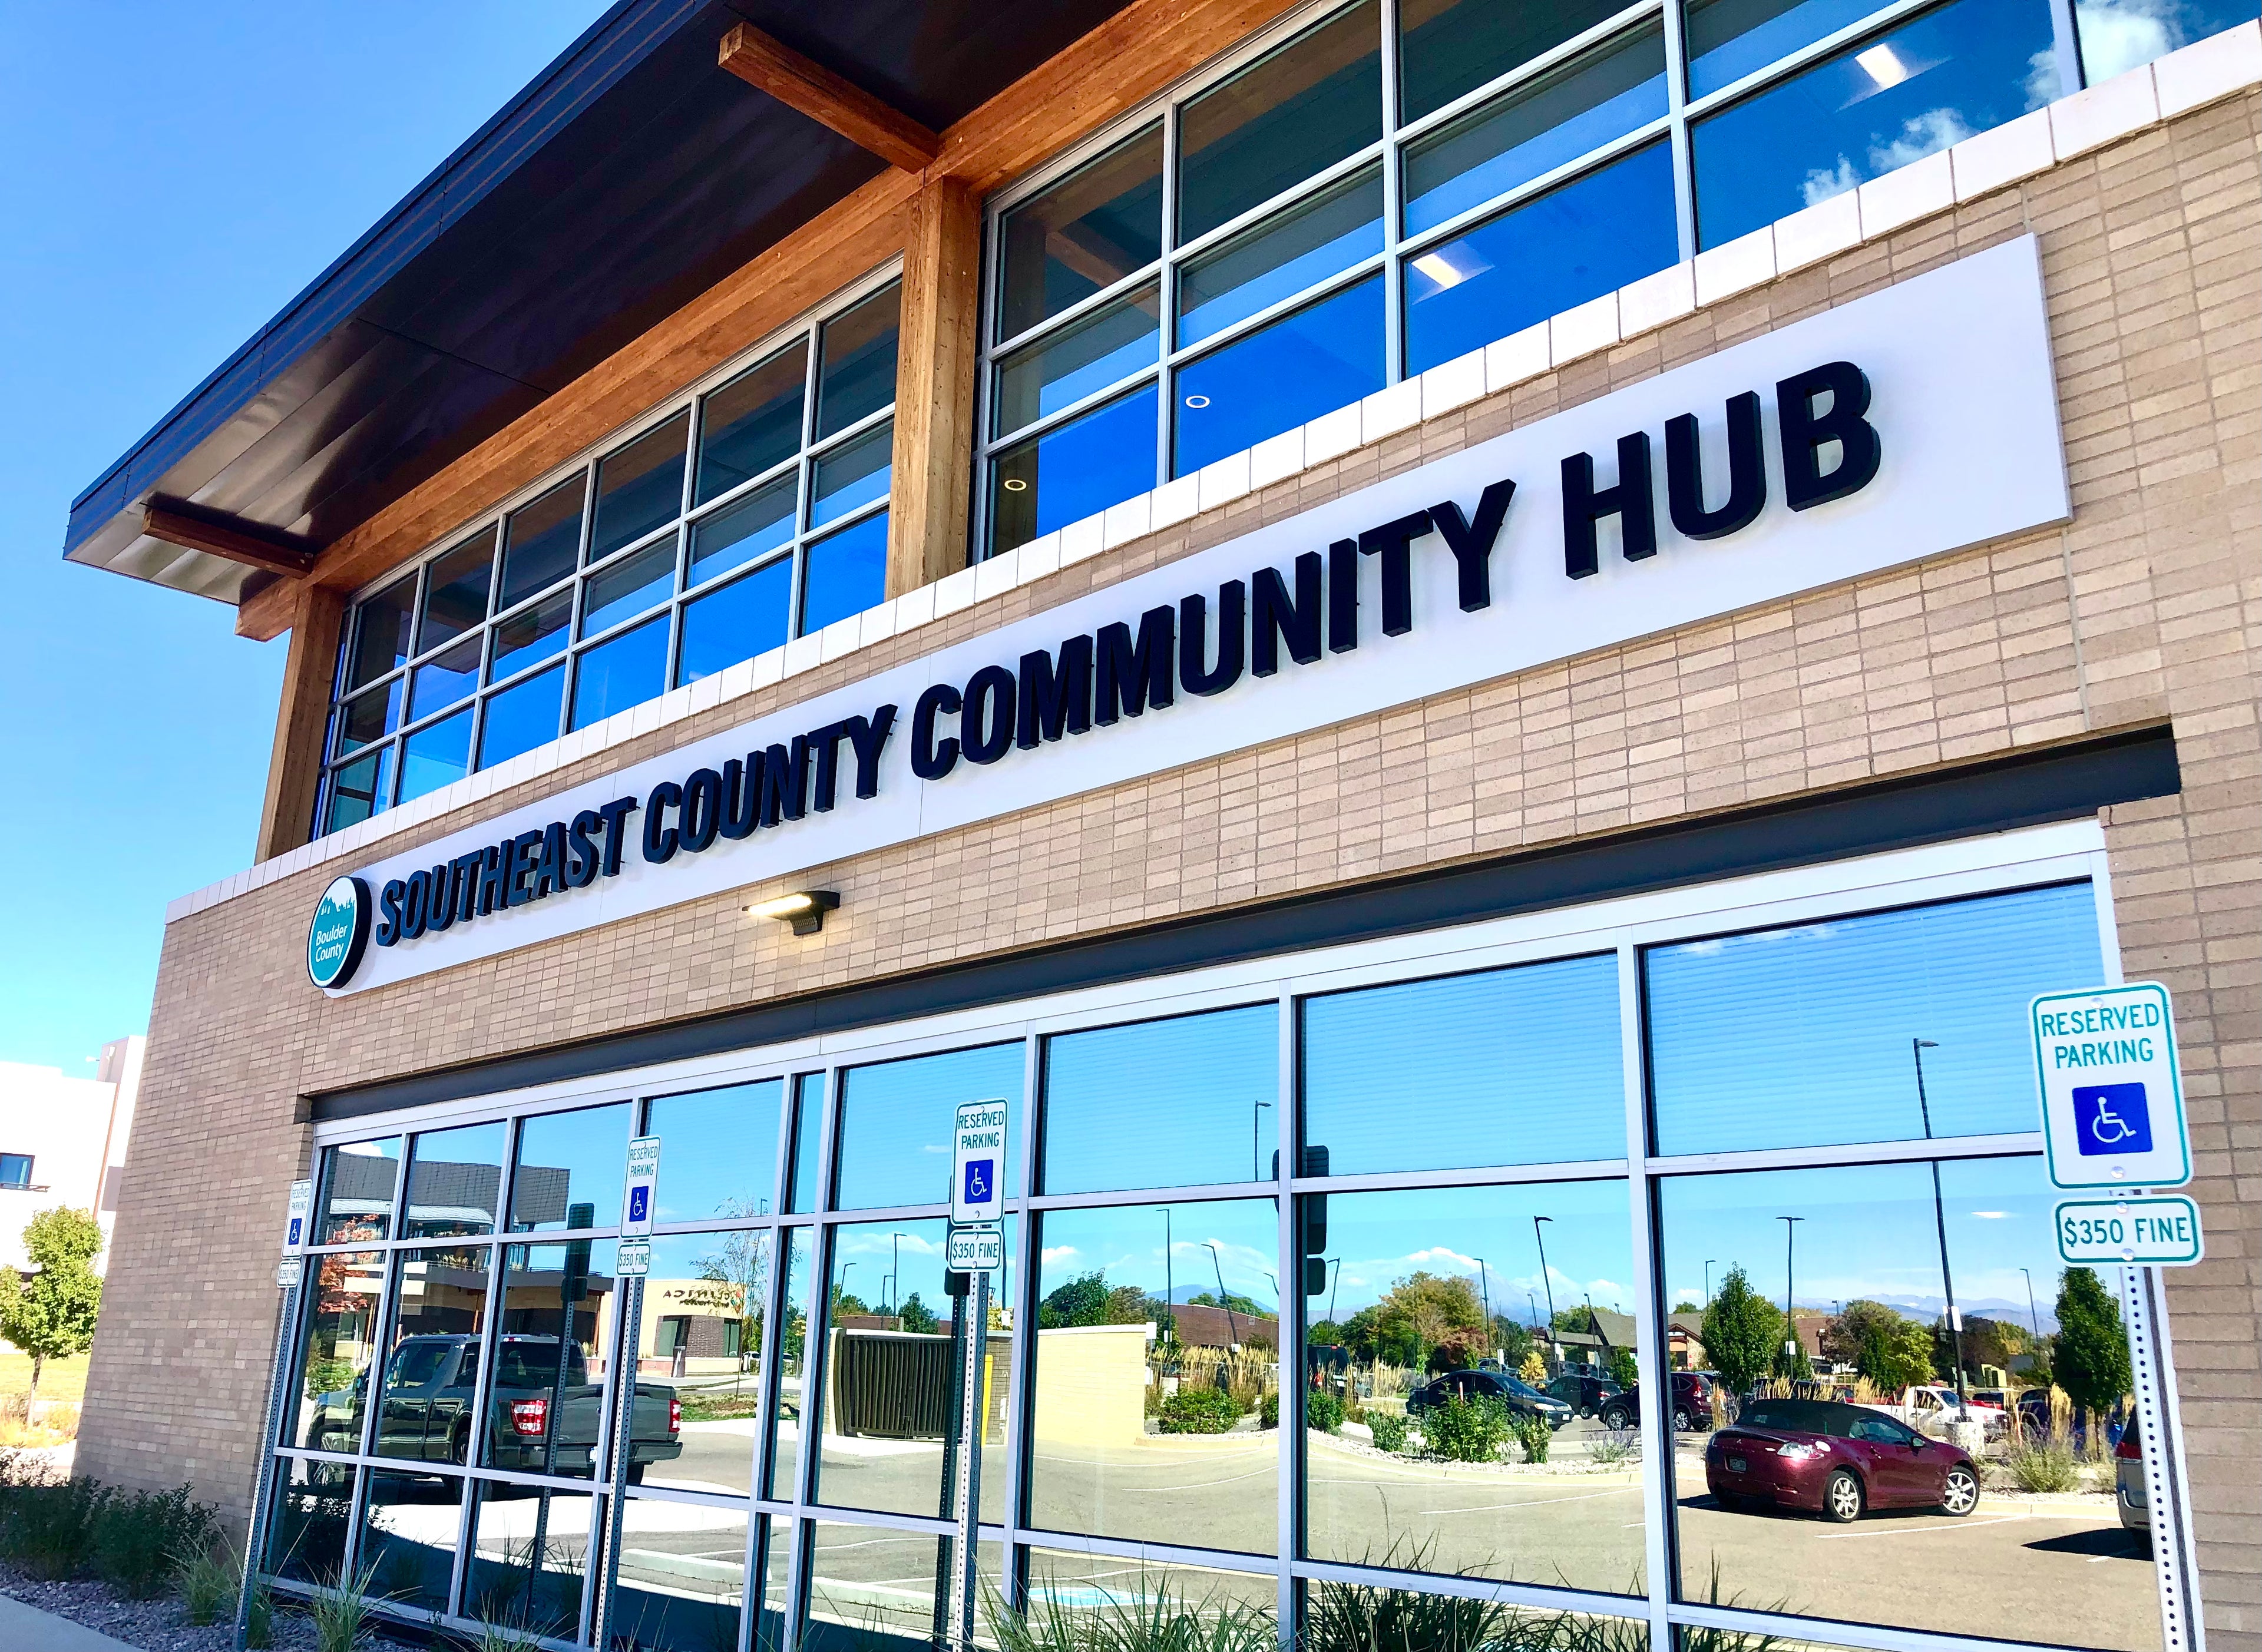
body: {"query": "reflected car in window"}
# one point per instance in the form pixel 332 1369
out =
pixel 1520 1398
pixel 427 1410
pixel 1692 1404
pixel 1839 1461
pixel 2129 1494
pixel 1582 1391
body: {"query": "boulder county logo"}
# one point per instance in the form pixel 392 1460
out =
pixel 340 931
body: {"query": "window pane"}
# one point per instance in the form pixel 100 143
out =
pixel 1731 39
pixel 1449 1281
pixel 1105 1285
pixel 871 1590
pixel 752 423
pixel 1290 114
pixel 896 1121
pixel 440 1309
pixel 1073 1595
pixel 545 1400
pixel 890 1375
pixel 851 477
pixel 1280 257
pixel 807 1141
pixel 639 487
pixel 844 574
pixel 1870 1259
pixel 455 1178
pixel 1207 1084
pixel 381 632
pixel 727 1162
pixel 1319 359
pixel 1804 1036
pixel 1512 1067
pixel 541 541
pixel 682 1576
pixel 434 756
pixel 569 1160
pixel 445 681
pixel 1447 47
pixel 361 789
pixel 1073 471
pixel 793 1366
pixel 529 1554
pixel 313 1505
pixel 856 365
pixel 737 533
pixel 410 1526
pixel 1574 243
pixel 1112 342
pixel 520 717
pixel 1539 126
pixel 1932 83
pixel 702 1338
pixel 456 589
pixel 628 587
pixel 368 717
pixel 1086 233
pixel 532 633
pixel 625 672
pixel 337 1347
pixel 2117 36
pixel 736 622
pixel 357 1193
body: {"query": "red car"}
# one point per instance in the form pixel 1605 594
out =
pixel 1835 1459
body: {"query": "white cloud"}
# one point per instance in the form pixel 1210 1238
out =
pixel 1992 1215
pixel 1920 135
pixel 1059 1253
pixel 2117 35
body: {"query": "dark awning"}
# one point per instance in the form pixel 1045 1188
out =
pixel 632 174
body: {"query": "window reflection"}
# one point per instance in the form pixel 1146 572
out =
pixel 1158 1333
pixel 381 632
pixel 808 1142
pixel 1848 1422
pixel 1449 1422
pixel 529 1558
pixel 545 1392
pixel 736 622
pixel 624 671
pixel 856 361
pixel 728 1138
pixel 455 1180
pixel 1450 48
pixel 896 1118
pixel 345 1298
pixel 706 1305
pixel 639 487
pixel 1083 357
pixel 1281 257
pixel 409 1527
pixel 845 573
pixel 1805 1036
pixel 1073 471
pixel 1323 357
pixel 520 717
pixel 1086 233
pixel 357 1190
pixel 540 542
pixel 752 423
pixel 1209 1084
pixel 569 1160
pixel 793 1366
pixel 682 1578
pixel 425 1400
pixel 455 588
pixel 314 1506
pixel 1731 39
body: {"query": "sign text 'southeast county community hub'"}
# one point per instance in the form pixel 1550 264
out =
pixel 1506 752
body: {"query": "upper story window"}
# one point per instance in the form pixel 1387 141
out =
pixel 752 511
pixel 15 1170
pixel 1381 186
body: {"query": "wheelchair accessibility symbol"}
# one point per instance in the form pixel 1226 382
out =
pixel 979 1173
pixel 2112 1119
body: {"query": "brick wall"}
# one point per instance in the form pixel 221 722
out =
pixel 2147 605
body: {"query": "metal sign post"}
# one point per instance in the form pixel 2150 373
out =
pixel 633 1262
pixel 290 1276
pixel 976 1244
pixel 971 1424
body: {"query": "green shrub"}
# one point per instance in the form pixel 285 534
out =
pixel 1615 1446
pixel 1144 1615
pixel 49 1530
pixel 1464 1430
pixel 139 1538
pixel 1269 1412
pixel 327 1376
pixel 259 1622
pixel 206 1578
pixel 1324 1411
pixel 1199 1411
pixel 2043 1468
pixel 1533 1434
pixel 1355 1618
pixel 1389 1430
pixel 341 1612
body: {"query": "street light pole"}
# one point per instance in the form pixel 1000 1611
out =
pixel 2033 1318
pixel 1211 1247
pixel 1337 1262
pixel 1545 1283
pixel 1170 1290
pixel 1790 1229
pixel 1256 1141
pixel 1917 1047
pixel 1484 1284
pixel 1709 1260
pixel 894 1270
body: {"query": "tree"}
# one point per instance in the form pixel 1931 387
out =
pixel 1534 1369
pixel 1081 1301
pixel 1890 1349
pixel 1742 1330
pixel 1424 1310
pixel 1235 1302
pixel 1686 1306
pixel 51 1314
pixel 1512 1337
pixel 845 1302
pixel 916 1315
pixel 740 1268
pixel 1624 1371
pixel 2091 1358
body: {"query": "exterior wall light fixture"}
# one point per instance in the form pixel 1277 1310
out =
pixel 804 910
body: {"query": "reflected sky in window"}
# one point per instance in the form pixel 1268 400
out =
pixel 1209 1086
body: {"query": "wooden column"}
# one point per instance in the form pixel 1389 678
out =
pixel 295 767
pixel 934 386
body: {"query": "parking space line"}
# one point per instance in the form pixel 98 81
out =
pixel 1913 1531
pixel 1487 1508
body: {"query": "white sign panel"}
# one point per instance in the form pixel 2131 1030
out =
pixel 978 1175
pixel 633 1259
pixel 1434 579
pixel 294 1222
pixel 2113 1100
pixel 976 1250
pixel 644 1178
pixel 290 1271
pixel 2158 1232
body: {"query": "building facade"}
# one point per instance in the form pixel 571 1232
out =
pixel 1477 655
pixel 66 1141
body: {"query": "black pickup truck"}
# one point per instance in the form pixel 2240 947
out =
pixel 426 1411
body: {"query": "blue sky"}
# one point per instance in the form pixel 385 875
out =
pixel 174 176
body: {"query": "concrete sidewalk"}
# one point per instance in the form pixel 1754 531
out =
pixel 28 1629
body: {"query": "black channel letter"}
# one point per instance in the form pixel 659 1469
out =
pixel 1805 432
pixel 1630 501
pixel 1684 473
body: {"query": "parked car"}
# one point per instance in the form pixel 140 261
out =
pixel 1935 1405
pixel 1693 1410
pixel 430 1382
pixel 2128 1493
pixel 1584 1392
pixel 1835 1459
pixel 1521 1398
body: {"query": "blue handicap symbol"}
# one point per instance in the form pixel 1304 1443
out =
pixel 979 1175
pixel 639 1202
pixel 296 1223
pixel 2112 1119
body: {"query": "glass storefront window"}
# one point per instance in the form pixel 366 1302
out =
pixel 808 1142
pixel 344 1299
pixel 683 1576
pixel 706 1308
pixel 313 1507
pixel 793 1367
pixel 410 1525
pixel 731 1138
pixel 569 1172
pixel 896 1118
pixel 454 1182
pixel 358 1186
pixel 545 1368
pixel 1210 1083
pixel 529 1558
pixel 871 1590
pixel 425 1393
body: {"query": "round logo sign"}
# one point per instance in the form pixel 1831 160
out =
pixel 339 932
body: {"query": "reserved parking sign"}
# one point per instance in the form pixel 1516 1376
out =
pixel 2112 1097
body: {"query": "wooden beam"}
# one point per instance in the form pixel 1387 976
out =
pixel 934 386
pixel 253 550
pixel 815 90
pixel 294 766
